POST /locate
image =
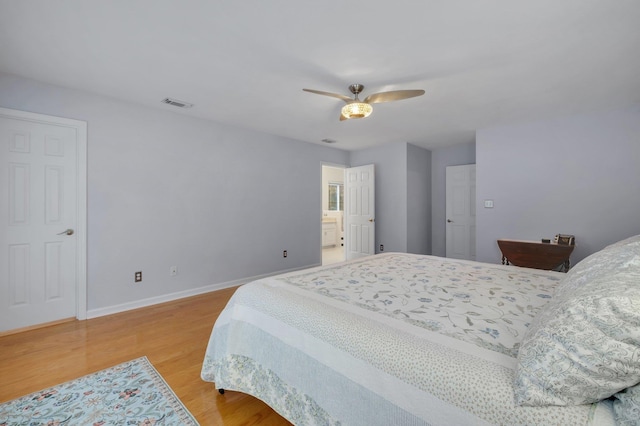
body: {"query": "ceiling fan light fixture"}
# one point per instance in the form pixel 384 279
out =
pixel 357 110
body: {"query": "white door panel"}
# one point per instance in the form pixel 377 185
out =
pixel 461 211
pixel 360 211
pixel 42 160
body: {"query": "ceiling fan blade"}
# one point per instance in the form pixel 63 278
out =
pixel 333 95
pixel 394 95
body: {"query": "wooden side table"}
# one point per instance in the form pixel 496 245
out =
pixel 533 254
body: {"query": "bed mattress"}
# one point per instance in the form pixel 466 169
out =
pixel 388 339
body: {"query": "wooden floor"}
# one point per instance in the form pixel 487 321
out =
pixel 173 336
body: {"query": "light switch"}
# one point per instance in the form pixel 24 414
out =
pixel 488 204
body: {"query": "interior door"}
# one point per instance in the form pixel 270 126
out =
pixel 42 221
pixel 360 211
pixel 461 211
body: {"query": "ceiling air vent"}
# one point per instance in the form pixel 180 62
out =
pixel 177 103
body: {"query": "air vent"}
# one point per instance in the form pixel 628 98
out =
pixel 177 103
pixel 328 141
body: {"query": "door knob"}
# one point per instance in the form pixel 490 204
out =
pixel 449 221
pixel 370 220
pixel 67 232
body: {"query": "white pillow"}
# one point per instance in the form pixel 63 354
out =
pixel 626 406
pixel 585 343
pixel 631 240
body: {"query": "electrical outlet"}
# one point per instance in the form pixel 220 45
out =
pixel 173 271
pixel 381 247
pixel 138 276
pixel 284 253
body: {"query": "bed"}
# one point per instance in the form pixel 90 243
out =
pixel 402 339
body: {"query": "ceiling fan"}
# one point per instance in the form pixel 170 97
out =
pixel 355 108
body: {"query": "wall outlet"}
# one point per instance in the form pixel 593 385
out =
pixel 381 247
pixel 173 271
pixel 138 276
pixel 284 253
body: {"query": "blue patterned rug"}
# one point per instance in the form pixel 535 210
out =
pixel 133 393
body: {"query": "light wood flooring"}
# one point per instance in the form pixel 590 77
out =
pixel 173 336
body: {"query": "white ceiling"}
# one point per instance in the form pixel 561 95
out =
pixel 481 62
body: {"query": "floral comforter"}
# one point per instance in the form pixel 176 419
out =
pixel 387 339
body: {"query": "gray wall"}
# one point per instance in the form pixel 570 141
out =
pixel 575 175
pixel 402 195
pixel 418 200
pixel 391 195
pixel 222 203
pixel 164 189
pixel 455 155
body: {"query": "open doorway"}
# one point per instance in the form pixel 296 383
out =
pixel 332 225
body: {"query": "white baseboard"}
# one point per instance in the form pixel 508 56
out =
pixel 108 310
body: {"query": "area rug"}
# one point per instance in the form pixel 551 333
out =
pixel 132 393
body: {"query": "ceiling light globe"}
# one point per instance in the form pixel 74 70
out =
pixel 357 110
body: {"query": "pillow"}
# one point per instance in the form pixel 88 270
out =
pixel 626 406
pixel 584 345
pixel 600 264
pixel 631 240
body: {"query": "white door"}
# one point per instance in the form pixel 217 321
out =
pixel 42 220
pixel 461 211
pixel 360 211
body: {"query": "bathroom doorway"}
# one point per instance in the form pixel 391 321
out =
pixel 332 225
